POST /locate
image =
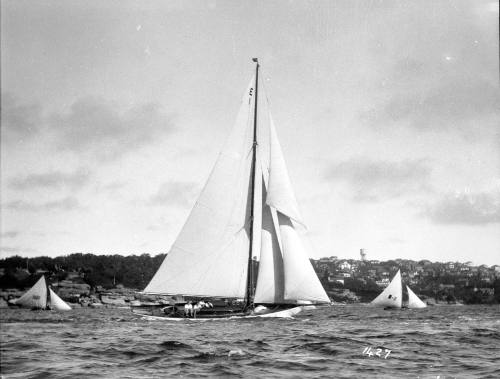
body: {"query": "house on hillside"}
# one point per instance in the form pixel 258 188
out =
pixel 382 283
pixel 345 266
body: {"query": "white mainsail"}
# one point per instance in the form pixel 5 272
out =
pixel 413 300
pixel 36 297
pixel 392 295
pixel 210 255
pixel 57 303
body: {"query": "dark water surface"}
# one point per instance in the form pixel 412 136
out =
pixel 440 341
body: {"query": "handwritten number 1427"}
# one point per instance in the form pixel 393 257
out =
pixel 378 352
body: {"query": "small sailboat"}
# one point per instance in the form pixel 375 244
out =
pixel 246 209
pixel 392 295
pixel 40 296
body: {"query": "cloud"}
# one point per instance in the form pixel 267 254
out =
pixel 19 121
pixel 9 234
pixel 380 180
pixel 467 209
pixel 459 105
pixel 113 186
pixel 66 204
pixel 18 250
pixel 175 193
pixel 95 126
pixel 52 179
pixel 91 125
pixel 439 72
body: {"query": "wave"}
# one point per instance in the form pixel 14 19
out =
pixel 114 343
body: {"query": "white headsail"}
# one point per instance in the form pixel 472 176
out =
pixel 392 295
pixel 36 297
pixel 301 281
pixel 57 303
pixel 280 193
pixel 210 255
pixel 271 282
pixel 413 300
pixel 284 264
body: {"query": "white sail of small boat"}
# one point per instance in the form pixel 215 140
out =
pixel 41 297
pixel 247 208
pixel 36 297
pixel 413 300
pixel 56 303
pixel 392 295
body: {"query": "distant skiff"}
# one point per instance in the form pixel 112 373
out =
pixel 41 297
pixel 392 296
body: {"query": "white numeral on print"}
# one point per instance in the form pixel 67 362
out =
pixel 377 352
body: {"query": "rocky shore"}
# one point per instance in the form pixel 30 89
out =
pixel 79 295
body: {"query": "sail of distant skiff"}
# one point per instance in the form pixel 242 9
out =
pixel 35 297
pixel 56 303
pixel 392 295
pixel 413 300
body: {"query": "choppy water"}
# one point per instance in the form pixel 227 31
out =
pixel 444 341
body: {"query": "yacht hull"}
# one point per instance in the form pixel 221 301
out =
pixel 278 312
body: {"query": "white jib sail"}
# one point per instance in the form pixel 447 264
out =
pixel 280 193
pixel 413 300
pixel 36 297
pixel 210 255
pixel 301 282
pixel 57 303
pixel 270 284
pixel 392 295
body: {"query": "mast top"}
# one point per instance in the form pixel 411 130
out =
pixel 256 60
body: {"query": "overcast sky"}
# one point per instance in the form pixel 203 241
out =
pixel 388 114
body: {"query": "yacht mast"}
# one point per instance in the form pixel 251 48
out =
pixel 249 295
